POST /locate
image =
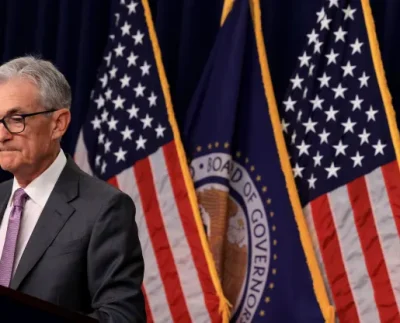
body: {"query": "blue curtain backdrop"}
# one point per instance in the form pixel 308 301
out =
pixel 73 34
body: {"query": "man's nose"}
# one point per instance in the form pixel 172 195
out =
pixel 4 133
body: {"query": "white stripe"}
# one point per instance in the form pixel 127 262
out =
pixel 81 155
pixel 315 242
pixel 386 227
pixel 154 286
pixel 187 271
pixel 353 256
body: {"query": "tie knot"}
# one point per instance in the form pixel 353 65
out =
pixel 20 197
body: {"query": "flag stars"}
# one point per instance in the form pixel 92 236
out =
pixel 138 37
pixel 141 143
pixel 145 68
pixel 108 94
pixel 113 72
pixel 348 126
pixel 104 116
pixel 317 159
pixel 333 3
pixel 349 13
pixel 152 99
pixel 356 103
pixel 340 148
pixel 348 69
pixel 289 104
pixel 317 47
pixel 339 34
pixel 119 50
pixel 339 91
pixel 96 122
pixel 297 171
pixel 296 82
pixel 112 124
pixel 139 90
pixel 364 137
pixel 332 170
pixel 324 136
pixel 303 148
pixel 285 126
pixel 100 102
pixel 118 103
pixel 103 167
pixel 127 133
pixel 310 125
pixel 132 7
pixel 325 23
pixel 125 81
pixel 317 103
pixel 330 114
pixel 160 131
pixel 371 114
pixel 120 154
pixel 331 57
pixel 320 15
pixel 304 59
pixel 379 148
pixel 125 29
pixel 313 36
pixel 133 112
pixel 146 121
pixel 132 59
pixel 107 145
pixel 311 181
pixel 324 80
pixel 357 160
pixel 363 80
pixel 356 46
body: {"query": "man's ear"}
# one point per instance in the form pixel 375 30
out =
pixel 61 120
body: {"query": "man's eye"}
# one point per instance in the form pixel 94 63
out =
pixel 15 119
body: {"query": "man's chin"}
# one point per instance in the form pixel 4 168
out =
pixel 8 163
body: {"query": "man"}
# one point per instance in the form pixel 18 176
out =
pixel 65 237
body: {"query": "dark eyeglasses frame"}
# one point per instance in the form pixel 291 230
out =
pixel 23 116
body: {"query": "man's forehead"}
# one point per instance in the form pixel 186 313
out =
pixel 17 95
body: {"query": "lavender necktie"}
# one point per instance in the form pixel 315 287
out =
pixel 8 255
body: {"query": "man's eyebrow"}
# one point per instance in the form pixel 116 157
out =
pixel 14 110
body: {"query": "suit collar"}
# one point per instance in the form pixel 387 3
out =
pixel 55 214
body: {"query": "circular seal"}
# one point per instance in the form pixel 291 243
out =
pixel 236 224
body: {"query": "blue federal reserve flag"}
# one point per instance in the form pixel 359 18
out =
pixel 260 245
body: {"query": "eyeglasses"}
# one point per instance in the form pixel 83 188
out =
pixel 16 123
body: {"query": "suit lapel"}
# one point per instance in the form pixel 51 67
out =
pixel 55 214
pixel 5 193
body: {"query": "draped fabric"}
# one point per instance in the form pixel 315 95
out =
pixel 73 35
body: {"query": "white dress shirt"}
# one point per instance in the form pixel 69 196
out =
pixel 38 191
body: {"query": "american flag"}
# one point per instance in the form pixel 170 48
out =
pixel 130 139
pixel 344 163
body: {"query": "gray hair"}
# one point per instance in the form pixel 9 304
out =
pixel 55 92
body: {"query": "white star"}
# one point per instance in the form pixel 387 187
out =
pixel 107 145
pixel 100 138
pixel 379 148
pixel 118 103
pixel 312 37
pixel 311 70
pixel 371 113
pixel 145 68
pixel 138 37
pixel 317 159
pixel 324 80
pixel 296 82
pixel 126 28
pixel 320 15
pixel 305 93
pixel 339 91
pixel 325 23
pixel 133 112
pixel 348 13
pixel 299 114
pixel 146 121
pixel 284 125
pixel 108 58
pixel 132 7
pixel 330 114
pixel 340 148
pixel 132 59
pixel 119 50
pixel 348 69
pixel 104 116
pixel 120 154
pixel 140 143
pixel 317 103
pixel 160 131
pixel 364 137
pixel 310 125
pixel 303 148
pixel 108 94
pixel 304 59
pixel 98 160
pixel 297 171
pixel 289 104
pixel 348 125
pixel 356 47
pixel 127 133
pixel 317 46
pixel 103 167
pixel 139 90
pixel 363 80
pixel 293 137
pixel 331 57
pixel 152 99
pixel 100 102
pixel 113 72
pixel 311 181
pixel 112 124
pixel 324 136
pixel 357 159
pixel 125 81
pixel 333 3
pixel 339 34
pixel 332 170
pixel 104 81
pixel 356 103
pixel 96 122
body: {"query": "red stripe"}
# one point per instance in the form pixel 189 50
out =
pixel 332 257
pixel 159 240
pixel 190 228
pixel 391 175
pixel 369 239
pixel 149 315
pixel 113 181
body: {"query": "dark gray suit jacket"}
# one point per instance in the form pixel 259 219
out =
pixel 84 253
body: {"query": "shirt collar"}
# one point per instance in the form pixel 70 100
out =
pixel 41 187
